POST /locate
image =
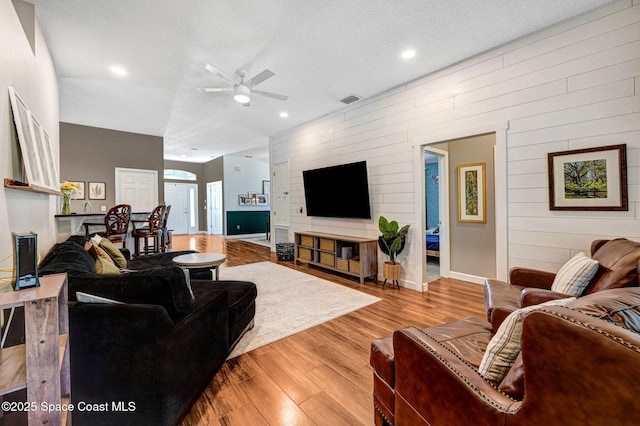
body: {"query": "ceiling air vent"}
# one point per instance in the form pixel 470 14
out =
pixel 350 99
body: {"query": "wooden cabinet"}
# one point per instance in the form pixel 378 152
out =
pixel 41 365
pixel 325 251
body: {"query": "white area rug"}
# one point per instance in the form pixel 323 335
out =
pixel 290 301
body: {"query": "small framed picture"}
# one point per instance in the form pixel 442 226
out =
pixel 80 192
pixel 266 187
pixel 242 199
pixel 588 179
pixel 97 191
pixel 262 199
pixel 472 204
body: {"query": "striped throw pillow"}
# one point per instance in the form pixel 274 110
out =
pixel 575 275
pixel 505 345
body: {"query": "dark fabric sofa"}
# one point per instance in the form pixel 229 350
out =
pixel 156 351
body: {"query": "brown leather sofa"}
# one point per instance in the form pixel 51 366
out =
pixel 618 267
pixel 579 365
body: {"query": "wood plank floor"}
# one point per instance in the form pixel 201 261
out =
pixel 320 376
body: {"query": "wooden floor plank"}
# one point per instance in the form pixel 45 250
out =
pixel 291 380
pixel 275 384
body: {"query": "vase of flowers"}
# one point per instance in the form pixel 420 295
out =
pixel 69 190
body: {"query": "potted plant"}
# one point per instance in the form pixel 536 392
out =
pixel 391 242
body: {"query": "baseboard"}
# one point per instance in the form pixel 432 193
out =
pixel 467 277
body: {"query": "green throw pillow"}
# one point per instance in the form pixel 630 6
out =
pixel 114 252
pixel 105 267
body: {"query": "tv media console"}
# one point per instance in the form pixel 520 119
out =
pixel 326 251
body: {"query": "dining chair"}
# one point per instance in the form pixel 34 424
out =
pixel 116 224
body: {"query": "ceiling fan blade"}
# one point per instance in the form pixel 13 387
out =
pixel 220 74
pixel 264 75
pixel 271 95
pixel 214 89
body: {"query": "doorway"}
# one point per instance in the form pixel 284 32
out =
pixel 434 162
pixel 214 207
pixel 183 198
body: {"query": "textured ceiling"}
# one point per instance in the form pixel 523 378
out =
pixel 320 52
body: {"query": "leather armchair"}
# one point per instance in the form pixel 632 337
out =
pixel 578 364
pixel 618 267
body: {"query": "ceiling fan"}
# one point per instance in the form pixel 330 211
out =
pixel 241 88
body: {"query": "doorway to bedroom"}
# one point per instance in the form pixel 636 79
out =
pixel 433 210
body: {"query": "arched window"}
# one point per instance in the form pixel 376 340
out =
pixel 179 174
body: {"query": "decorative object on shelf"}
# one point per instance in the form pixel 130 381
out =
pixel 97 191
pixel 391 242
pixel 472 205
pixel 262 199
pixel 588 179
pixel 69 190
pixel 266 187
pixel 35 145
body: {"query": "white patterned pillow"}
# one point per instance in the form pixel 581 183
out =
pixel 506 344
pixel 575 275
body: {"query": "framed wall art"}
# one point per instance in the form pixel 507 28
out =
pixel 588 179
pixel 472 205
pixel 97 191
pixel 35 146
pixel 80 195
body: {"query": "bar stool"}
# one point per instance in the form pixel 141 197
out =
pixel 152 230
pixel 166 233
pixel 116 223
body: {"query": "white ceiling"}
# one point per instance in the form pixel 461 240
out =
pixel 319 50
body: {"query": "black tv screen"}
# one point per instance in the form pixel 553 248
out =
pixel 338 191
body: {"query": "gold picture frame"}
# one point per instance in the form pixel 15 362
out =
pixel 472 190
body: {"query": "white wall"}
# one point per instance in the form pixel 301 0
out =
pixel 242 174
pixel 33 76
pixel 574 85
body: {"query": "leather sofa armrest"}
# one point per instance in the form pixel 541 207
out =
pixel 526 277
pixel 499 314
pixel 560 349
pixel 535 296
pixel 435 385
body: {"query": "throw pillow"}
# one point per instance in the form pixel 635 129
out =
pixel 575 275
pixel 505 345
pixel 97 252
pixel 106 267
pixel 114 252
pixel 92 298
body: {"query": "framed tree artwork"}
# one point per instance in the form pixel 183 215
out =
pixel 588 179
pixel 472 204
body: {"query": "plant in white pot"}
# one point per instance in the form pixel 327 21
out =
pixel 391 242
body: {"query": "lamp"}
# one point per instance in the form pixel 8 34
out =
pixel 241 94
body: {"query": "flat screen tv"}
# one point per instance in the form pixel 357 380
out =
pixel 338 191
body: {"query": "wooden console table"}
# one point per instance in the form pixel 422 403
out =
pixel 41 365
pixel 325 251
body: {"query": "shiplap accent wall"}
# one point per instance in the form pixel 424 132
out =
pixel 574 85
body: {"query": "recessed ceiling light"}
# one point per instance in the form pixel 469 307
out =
pixel 408 54
pixel 118 70
pixel 284 114
pixel 183 155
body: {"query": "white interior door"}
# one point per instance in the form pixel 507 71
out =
pixel 183 198
pixel 214 205
pixel 280 196
pixel 138 188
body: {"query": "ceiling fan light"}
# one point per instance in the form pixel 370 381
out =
pixel 241 94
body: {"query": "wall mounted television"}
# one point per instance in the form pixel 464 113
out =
pixel 338 191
